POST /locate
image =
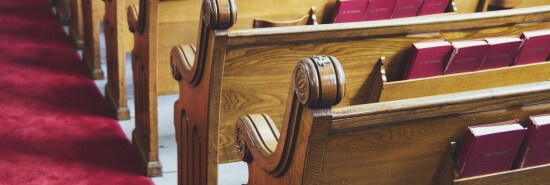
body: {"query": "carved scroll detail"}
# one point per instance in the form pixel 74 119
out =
pixel 318 82
pixel 216 15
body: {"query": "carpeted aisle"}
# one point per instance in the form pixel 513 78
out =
pixel 55 127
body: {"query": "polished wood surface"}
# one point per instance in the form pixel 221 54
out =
pixel 157 26
pixel 118 41
pixel 269 54
pixel 92 13
pixel 76 24
pixel 396 142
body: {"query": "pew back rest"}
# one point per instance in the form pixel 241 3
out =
pixel 257 64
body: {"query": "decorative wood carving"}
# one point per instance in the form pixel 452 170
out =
pixel 318 82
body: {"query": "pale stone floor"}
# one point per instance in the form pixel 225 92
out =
pixel 230 173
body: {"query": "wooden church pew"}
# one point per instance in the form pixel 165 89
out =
pixel 154 36
pixel 237 72
pixel 92 13
pixel 118 41
pixel 395 142
pixel 76 26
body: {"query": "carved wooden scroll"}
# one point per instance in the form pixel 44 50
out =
pixel 197 147
pixel 318 83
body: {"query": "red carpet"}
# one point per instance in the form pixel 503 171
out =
pixel 55 127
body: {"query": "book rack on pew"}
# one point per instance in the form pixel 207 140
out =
pixel 445 84
pixel 529 175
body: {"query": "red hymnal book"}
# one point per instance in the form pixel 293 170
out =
pixel 489 148
pixel 466 56
pixel 379 10
pixel 427 59
pixel 536 147
pixel 535 48
pixel 502 51
pixel 406 8
pixel 430 7
pixel 350 10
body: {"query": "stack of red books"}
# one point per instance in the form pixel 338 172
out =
pixel 369 10
pixel 473 55
pixel 502 146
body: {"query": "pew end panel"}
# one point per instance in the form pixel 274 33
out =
pixel 118 41
pixel 92 12
pixel 294 155
pixel 530 175
pixel 76 26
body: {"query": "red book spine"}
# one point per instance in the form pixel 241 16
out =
pixel 379 10
pixel 349 11
pixel 533 50
pixel 430 7
pixel 464 152
pixel 500 55
pixel 466 59
pixel 406 8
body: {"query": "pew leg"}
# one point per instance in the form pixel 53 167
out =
pixel 145 135
pixel 92 11
pixel 76 24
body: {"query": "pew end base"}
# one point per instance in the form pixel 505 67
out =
pixel 152 168
pixel 121 111
pixel 96 73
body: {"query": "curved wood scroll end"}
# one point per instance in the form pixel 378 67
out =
pixel 219 14
pixel 304 20
pixel 318 82
pixel 383 70
pixel 182 58
pixel 133 18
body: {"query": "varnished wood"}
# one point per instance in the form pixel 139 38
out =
pixel 445 84
pixel 92 12
pixel 118 41
pixel 76 23
pixel 304 20
pixel 397 142
pixel 268 56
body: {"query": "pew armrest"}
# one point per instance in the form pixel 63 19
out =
pixel 133 18
pixel 258 139
pixel 310 18
pixel 182 58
